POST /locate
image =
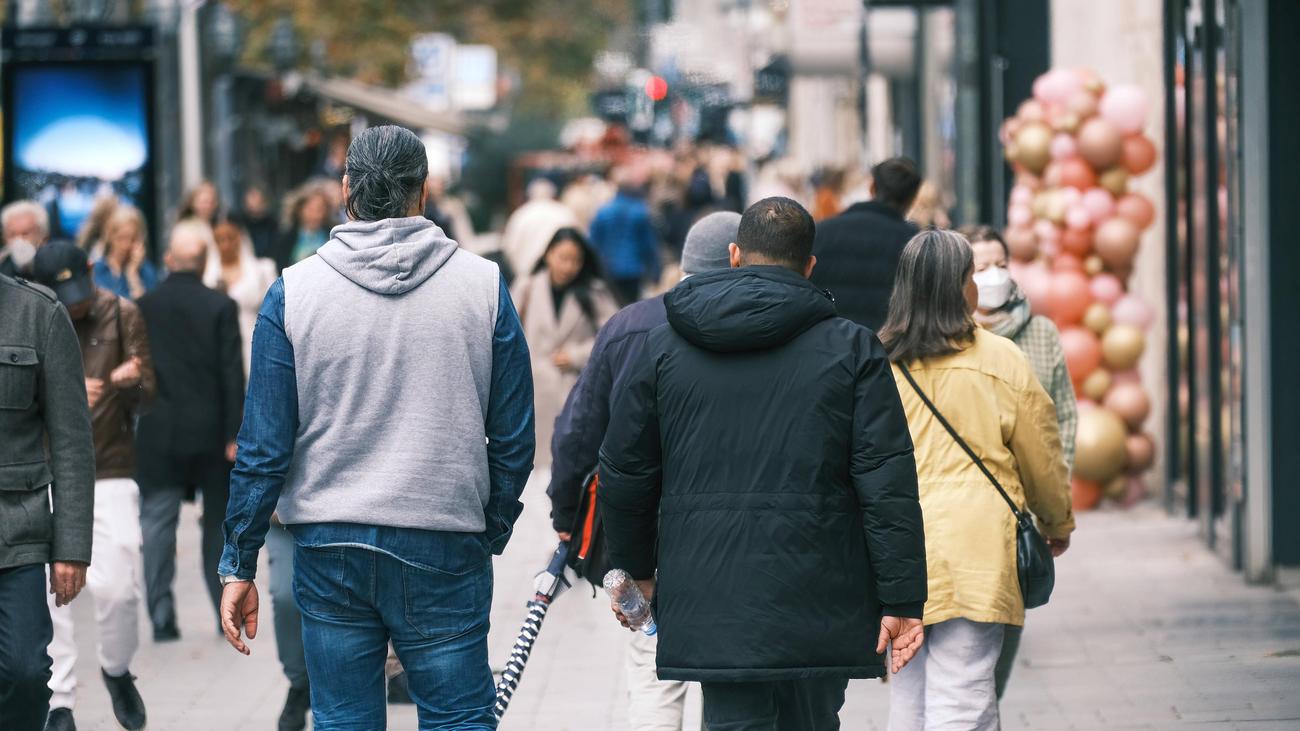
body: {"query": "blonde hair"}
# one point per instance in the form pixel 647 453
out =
pixel 121 215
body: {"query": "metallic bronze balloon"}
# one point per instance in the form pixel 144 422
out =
pixel 1141 450
pixel 1114 180
pixel 1116 242
pixel 1096 384
pixel 1097 318
pixel 1033 146
pixel 1130 402
pixel 1100 143
pixel 1122 346
pixel 1100 454
pixel 1083 104
pixel 1022 243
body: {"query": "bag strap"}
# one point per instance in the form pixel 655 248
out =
pixel 960 442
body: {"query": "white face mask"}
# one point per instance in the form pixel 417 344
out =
pixel 994 286
pixel 22 252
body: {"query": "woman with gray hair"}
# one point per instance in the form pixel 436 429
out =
pixel 399 476
pixel 950 370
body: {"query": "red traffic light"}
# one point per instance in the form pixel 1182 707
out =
pixel 656 88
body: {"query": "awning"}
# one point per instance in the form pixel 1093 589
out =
pixel 383 102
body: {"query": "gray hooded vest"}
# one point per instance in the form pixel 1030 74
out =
pixel 391 326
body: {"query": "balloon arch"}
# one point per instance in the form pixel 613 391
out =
pixel 1073 228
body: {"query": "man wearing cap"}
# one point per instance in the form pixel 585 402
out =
pixel 119 380
pixel 46 484
pixel 580 428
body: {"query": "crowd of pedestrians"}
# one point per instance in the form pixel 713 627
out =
pixel 801 425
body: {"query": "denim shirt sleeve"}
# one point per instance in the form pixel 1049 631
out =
pixel 265 440
pixel 511 440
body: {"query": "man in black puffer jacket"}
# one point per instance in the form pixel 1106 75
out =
pixel 757 480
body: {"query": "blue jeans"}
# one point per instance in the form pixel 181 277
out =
pixel 25 632
pixel 354 600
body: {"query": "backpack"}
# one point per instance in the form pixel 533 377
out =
pixel 588 556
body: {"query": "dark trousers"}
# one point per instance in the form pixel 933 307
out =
pixel 160 509
pixel 812 704
pixel 25 632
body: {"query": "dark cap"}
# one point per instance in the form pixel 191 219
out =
pixel 64 268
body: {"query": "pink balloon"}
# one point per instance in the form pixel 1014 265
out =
pixel 1085 404
pixel 1046 231
pixel 1057 86
pixel 1019 215
pixel 1036 282
pixel 1125 377
pixel 1100 204
pixel 1070 196
pixel 1124 106
pixel 1051 249
pixel 1017 269
pixel 1130 310
pixel 1135 493
pixel 1077 217
pixel 1063 146
pixel 1107 288
pixel 1021 195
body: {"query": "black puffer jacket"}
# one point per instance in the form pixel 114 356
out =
pixel 762 445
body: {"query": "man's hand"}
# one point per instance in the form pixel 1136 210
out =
pixel 232 451
pixel 905 634
pixel 127 374
pixel 562 360
pixel 239 609
pixel 67 579
pixel 647 587
pixel 94 390
pixel 1058 546
pixel 564 535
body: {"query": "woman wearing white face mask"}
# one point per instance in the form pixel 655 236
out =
pixel 1003 310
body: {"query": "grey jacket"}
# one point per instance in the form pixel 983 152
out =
pixel 42 401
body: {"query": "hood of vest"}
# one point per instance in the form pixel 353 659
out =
pixel 391 256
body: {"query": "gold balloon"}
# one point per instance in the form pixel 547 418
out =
pixel 1093 265
pixel 1097 318
pixel 1122 346
pixel 1116 488
pixel 1096 384
pixel 1033 146
pixel 1067 122
pixel 1100 453
pixel 1114 180
pixel 1055 210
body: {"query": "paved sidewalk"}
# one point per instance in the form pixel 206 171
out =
pixel 1146 630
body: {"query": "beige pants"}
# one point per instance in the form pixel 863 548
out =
pixel 653 704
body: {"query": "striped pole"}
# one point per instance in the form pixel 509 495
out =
pixel 549 583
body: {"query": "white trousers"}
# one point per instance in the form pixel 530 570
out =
pixel 949 683
pixel 114 581
pixel 653 704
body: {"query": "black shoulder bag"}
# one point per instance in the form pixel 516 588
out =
pixel 1034 566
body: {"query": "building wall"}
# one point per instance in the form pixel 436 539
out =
pixel 1122 41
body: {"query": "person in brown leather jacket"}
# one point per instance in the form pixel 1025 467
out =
pixel 119 382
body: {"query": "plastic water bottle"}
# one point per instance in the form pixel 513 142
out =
pixel 631 602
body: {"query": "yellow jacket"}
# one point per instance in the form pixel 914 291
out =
pixel 989 393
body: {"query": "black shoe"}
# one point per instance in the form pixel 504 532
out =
pixel 296 707
pixel 166 633
pixel 60 719
pixel 128 706
pixel 398 691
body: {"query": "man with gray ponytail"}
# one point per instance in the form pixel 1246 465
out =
pixel 389 412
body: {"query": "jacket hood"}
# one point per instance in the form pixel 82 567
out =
pixel 751 308
pixel 391 256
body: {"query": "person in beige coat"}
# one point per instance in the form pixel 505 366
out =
pixel 985 387
pixel 562 305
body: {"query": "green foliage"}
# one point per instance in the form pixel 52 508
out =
pixel 549 44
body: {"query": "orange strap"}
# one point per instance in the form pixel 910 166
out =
pixel 589 519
